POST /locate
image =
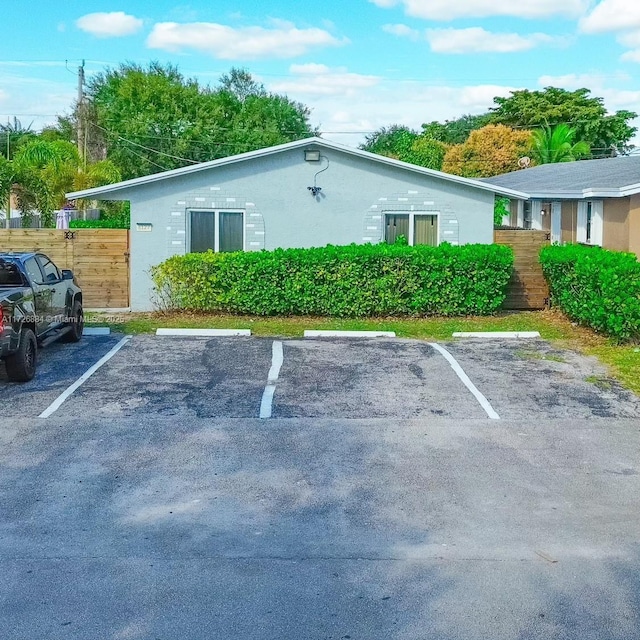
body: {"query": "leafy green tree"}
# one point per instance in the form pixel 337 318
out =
pixel 455 131
pixel 603 132
pixel 489 151
pixel 241 84
pixel 427 152
pixel 6 182
pixel 394 141
pixel 500 210
pixel 153 118
pixel 557 145
pixel 403 143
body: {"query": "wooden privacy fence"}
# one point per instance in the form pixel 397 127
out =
pixel 527 288
pixel 99 259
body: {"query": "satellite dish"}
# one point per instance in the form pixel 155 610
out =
pixel 524 162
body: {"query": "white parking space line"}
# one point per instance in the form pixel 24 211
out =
pixel 214 333
pixel 496 334
pixel 266 405
pixel 484 403
pixel 57 403
pixel 348 334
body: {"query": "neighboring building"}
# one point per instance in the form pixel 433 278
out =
pixel 590 201
pixel 307 193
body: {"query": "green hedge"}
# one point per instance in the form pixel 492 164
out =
pixel 109 223
pixel 595 287
pixel 347 281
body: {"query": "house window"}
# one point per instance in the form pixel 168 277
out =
pixel 218 231
pixel 417 228
pixel 590 222
pixel 527 215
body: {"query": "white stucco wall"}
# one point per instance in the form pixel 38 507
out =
pixel 281 212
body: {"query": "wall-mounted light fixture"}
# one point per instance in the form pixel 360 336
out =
pixel 311 155
pixel 315 190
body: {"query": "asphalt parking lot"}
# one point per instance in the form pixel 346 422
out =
pixel 376 498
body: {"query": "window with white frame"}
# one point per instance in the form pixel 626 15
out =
pixel 527 216
pixel 215 230
pixel 415 226
pixel 590 222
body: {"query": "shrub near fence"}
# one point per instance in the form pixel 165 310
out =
pixel 595 287
pixel 351 281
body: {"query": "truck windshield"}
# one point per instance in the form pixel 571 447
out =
pixel 10 275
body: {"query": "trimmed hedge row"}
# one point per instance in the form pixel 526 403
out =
pixel 345 281
pixel 103 223
pixel 595 287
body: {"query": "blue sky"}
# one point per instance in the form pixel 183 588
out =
pixel 358 65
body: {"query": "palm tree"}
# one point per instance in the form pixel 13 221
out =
pixel 557 145
pixel 12 135
pixel 46 170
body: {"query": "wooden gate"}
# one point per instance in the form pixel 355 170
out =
pixel 527 288
pixel 99 259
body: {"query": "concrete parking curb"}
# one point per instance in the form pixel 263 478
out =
pixel 209 333
pixel 96 331
pixel 349 334
pixel 496 334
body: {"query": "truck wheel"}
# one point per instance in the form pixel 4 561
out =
pixel 76 324
pixel 21 365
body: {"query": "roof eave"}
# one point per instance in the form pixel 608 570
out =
pixel 584 194
pixel 174 173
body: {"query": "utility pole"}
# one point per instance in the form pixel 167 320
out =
pixel 8 216
pixel 81 125
pixel 82 133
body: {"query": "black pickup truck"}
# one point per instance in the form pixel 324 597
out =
pixel 39 303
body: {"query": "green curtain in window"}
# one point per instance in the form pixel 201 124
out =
pixel 397 225
pixel 231 231
pixel 425 230
pixel 202 226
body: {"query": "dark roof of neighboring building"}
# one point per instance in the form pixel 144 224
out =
pixel 607 177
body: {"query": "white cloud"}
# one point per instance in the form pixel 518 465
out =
pixel 599 84
pixel 631 40
pixel 109 25
pixel 631 56
pixel 284 40
pixel 311 80
pixel 401 30
pixel 34 101
pixel 478 40
pixel 572 81
pixel 374 102
pixel 452 9
pixel 612 15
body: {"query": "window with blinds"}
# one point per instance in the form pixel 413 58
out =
pixel 218 231
pixel 417 228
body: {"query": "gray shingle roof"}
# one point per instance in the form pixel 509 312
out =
pixel 612 177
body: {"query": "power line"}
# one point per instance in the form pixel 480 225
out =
pixel 155 164
pixel 162 153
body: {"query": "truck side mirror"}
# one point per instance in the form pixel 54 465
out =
pixel 67 274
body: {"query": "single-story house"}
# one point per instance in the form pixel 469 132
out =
pixel 590 201
pixel 307 193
